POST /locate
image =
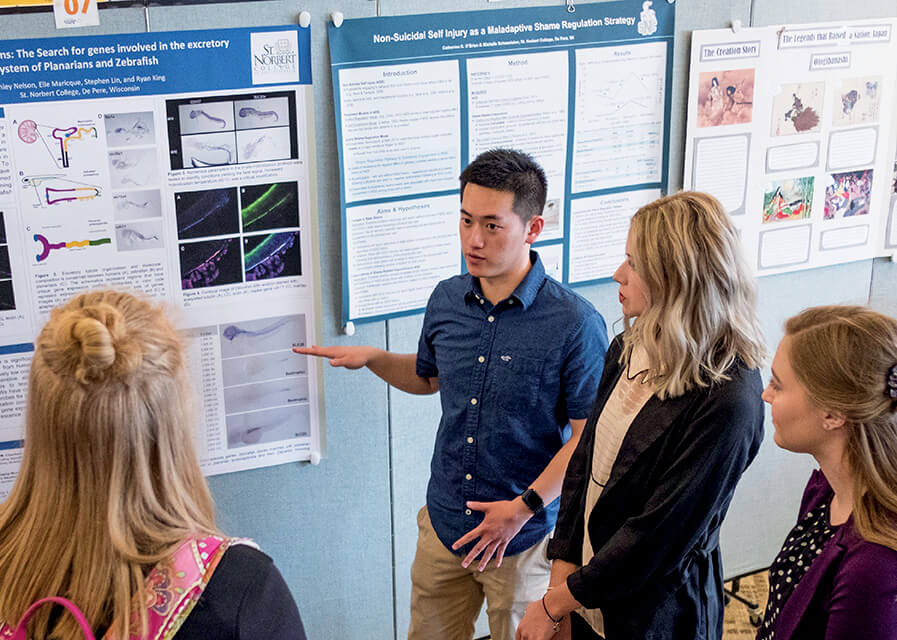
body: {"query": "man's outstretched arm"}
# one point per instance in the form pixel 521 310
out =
pixel 397 369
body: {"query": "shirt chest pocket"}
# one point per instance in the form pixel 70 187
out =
pixel 517 381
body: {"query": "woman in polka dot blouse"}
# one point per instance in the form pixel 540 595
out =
pixel 833 394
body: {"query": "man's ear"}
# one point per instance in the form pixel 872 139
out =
pixel 534 228
pixel 833 420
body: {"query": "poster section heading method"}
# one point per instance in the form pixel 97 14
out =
pixel 176 164
pixel 793 129
pixel 418 97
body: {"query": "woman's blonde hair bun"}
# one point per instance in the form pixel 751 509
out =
pixel 94 344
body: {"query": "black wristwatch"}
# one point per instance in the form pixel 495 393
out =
pixel 532 500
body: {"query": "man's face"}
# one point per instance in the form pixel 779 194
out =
pixel 494 240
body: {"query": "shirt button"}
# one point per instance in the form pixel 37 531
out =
pixel 510 302
pixel 467 512
pixel 481 359
pixel 473 401
pixel 481 301
pixel 491 318
pixel 468 477
pixel 469 440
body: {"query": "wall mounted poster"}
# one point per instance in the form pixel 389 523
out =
pixel 123 166
pixel 418 97
pixel 793 129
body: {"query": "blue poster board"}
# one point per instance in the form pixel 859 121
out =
pixel 418 97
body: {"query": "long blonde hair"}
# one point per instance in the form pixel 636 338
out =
pixel 701 314
pixel 109 483
pixel 842 355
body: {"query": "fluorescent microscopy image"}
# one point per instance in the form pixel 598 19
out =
pixel 7 299
pixel 206 213
pixel 275 255
pixel 269 206
pixel 210 263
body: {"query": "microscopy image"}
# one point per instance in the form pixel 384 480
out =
pixel 206 213
pixel 210 149
pixel 269 206
pixel 205 117
pixel 135 205
pixel 264 366
pixel 7 299
pixel 135 236
pixel 271 425
pixel 210 263
pixel 261 145
pixel 129 168
pixel 275 255
pixel 5 270
pixel 264 112
pixel 263 395
pixel 262 335
pixel 129 129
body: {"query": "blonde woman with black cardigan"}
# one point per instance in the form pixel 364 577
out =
pixel 677 419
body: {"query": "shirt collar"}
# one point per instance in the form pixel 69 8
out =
pixel 525 292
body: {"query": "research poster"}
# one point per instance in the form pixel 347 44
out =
pixel 175 164
pixel 418 97
pixel 793 129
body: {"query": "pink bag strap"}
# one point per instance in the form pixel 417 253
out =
pixel 19 633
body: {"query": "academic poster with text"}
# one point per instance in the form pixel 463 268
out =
pixel 418 97
pixel 174 164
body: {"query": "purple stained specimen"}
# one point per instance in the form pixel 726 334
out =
pixel 245 112
pixel 206 272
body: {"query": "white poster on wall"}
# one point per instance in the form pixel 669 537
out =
pixel 120 166
pixel 794 129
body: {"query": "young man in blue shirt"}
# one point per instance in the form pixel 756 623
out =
pixel 516 357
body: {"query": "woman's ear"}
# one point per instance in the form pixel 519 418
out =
pixel 833 420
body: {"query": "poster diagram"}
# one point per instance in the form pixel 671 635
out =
pixel 790 131
pixel 191 189
pixel 418 97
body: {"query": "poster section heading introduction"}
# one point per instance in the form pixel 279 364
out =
pixel 199 199
pixel 418 97
pixel 794 129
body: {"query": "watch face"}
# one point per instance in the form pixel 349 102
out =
pixel 532 500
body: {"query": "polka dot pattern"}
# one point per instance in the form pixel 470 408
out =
pixel 806 541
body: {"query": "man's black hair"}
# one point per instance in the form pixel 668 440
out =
pixel 511 171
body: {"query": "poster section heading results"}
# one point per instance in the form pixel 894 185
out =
pixel 793 130
pixel 152 63
pixel 418 97
pixel 197 199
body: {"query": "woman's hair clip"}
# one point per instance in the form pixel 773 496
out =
pixel 891 382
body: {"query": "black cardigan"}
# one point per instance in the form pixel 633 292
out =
pixel 246 599
pixel 657 570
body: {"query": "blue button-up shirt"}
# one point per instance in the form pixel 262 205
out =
pixel 511 376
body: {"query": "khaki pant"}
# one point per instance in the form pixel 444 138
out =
pixel 446 597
